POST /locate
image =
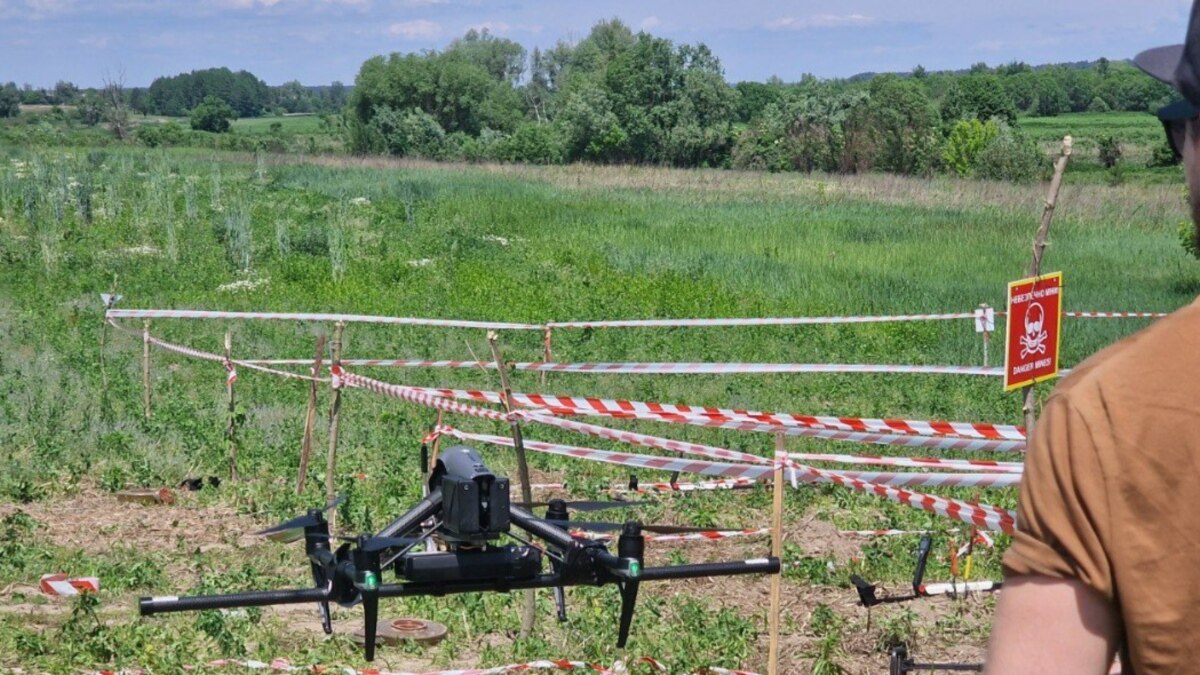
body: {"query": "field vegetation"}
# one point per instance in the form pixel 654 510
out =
pixel 190 228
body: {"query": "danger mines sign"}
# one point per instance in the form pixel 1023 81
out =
pixel 1033 330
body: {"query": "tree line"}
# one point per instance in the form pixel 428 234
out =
pixel 179 95
pixel 619 96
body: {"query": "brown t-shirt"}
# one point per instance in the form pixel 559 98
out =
pixel 1111 487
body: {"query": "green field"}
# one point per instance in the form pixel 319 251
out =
pixel 288 124
pixel 505 243
pixel 1138 134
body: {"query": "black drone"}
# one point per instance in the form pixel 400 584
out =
pixel 468 508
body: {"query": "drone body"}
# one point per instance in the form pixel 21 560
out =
pixel 468 508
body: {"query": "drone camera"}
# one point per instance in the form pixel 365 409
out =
pixel 475 501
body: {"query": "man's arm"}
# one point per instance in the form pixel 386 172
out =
pixel 1051 626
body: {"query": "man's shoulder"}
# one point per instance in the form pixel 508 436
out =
pixel 1162 358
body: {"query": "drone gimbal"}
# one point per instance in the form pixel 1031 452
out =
pixel 468 508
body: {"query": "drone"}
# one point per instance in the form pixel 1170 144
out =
pixel 467 506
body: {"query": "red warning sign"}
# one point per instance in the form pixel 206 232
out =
pixel 1033 330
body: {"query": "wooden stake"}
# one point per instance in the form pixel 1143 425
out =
pixel 777 551
pixel 547 341
pixel 310 416
pixel 231 430
pixel 146 368
pixel 335 409
pixel 529 611
pixel 1035 267
pixel 437 441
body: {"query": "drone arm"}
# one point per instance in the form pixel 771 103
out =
pixel 718 569
pixel 158 605
pixel 412 519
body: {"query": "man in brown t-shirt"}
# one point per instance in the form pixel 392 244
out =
pixel 1107 553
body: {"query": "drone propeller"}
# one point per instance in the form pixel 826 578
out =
pixel 585 505
pixel 287 531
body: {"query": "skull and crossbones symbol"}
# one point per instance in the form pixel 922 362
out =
pixel 1034 339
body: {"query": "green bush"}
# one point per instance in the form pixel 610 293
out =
pixel 533 143
pixel 1098 105
pixel 1011 156
pixel 411 133
pixel 1162 155
pixel 213 114
pixel 966 140
pixel 1109 150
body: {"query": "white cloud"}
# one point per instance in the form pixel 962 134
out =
pixel 493 27
pixel 820 21
pixel 414 29
pixel 650 23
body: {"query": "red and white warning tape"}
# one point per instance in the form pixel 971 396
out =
pixel 720 484
pixel 620 323
pixel 618 408
pixel 915 462
pixel 231 374
pixel 624 459
pixel 981 515
pixel 958 587
pixel 1116 315
pixel 302 316
pixel 881 533
pixel 711 535
pixel 779 321
pixel 60 584
pixel 285 666
pixel 664 368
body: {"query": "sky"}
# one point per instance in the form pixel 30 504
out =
pixel 319 41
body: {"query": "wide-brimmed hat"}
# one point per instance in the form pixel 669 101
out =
pixel 1177 65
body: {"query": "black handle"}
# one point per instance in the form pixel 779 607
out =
pixel 158 605
pixel 923 550
pixel 724 569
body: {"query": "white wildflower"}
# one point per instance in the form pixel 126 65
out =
pixel 243 285
pixel 144 249
pixel 360 201
pixel 503 241
pixel 423 262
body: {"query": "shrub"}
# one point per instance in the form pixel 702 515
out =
pixel 412 133
pixel 1189 238
pixel 213 114
pixel 1109 151
pixel 966 140
pixel 1098 105
pixel 1162 155
pixel 533 143
pixel 1011 156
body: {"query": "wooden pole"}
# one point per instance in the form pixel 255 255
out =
pixel 109 301
pixel 529 610
pixel 777 551
pixel 146 368
pixel 335 410
pixel 310 416
pixel 1035 267
pixel 437 440
pixel 547 356
pixel 231 429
